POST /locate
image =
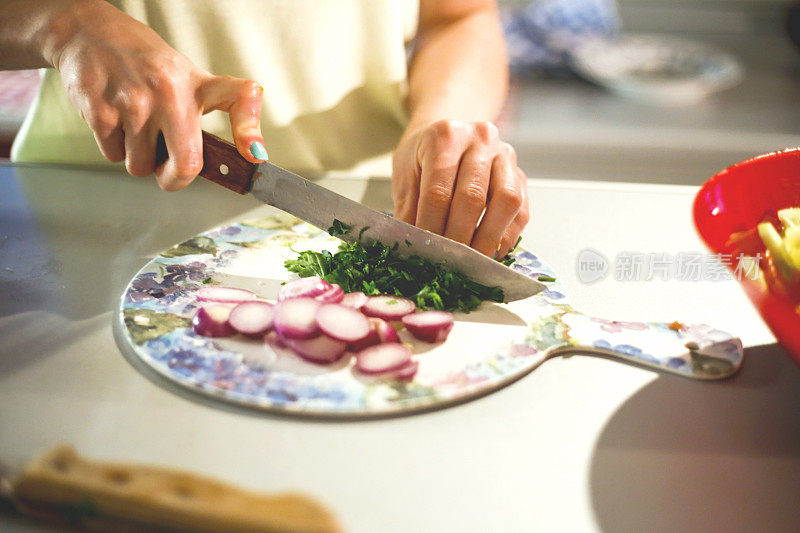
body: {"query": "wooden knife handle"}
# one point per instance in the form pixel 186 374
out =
pixel 144 498
pixel 222 163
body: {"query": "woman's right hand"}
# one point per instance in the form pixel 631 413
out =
pixel 129 86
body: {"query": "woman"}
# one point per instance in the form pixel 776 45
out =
pixel 325 85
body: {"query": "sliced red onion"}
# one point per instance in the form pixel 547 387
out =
pixel 296 318
pixel 212 321
pixel 224 295
pixel 386 333
pixel 252 318
pixel 342 323
pixel 429 326
pixel 354 299
pixel 407 371
pixel 379 331
pixel 388 307
pixel 321 350
pixel 273 339
pixel 370 340
pixel 333 295
pixel 303 288
pixel 383 358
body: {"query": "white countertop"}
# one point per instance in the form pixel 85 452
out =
pixel 580 444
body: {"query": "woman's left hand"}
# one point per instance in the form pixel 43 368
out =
pixel 458 179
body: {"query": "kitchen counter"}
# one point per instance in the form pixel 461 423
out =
pixel 580 444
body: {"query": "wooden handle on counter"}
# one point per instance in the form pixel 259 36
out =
pixel 137 497
pixel 222 163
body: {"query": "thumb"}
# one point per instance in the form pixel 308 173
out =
pixel 241 99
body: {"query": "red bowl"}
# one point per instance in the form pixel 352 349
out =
pixel 737 199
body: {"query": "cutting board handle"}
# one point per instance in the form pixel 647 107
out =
pixel 222 163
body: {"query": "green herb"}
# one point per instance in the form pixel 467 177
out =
pixel 546 278
pixel 508 260
pixel 408 243
pixel 206 281
pixel 340 228
pixel 374 268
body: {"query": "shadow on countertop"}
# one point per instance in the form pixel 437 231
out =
pixel 732 463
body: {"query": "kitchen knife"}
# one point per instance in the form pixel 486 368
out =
pixel 319 206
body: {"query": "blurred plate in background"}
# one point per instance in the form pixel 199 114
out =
pixel 656 69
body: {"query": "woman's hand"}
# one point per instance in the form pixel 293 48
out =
pixel 130 86
pixel 458 179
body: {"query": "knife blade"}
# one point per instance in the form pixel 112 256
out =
pixel 319 206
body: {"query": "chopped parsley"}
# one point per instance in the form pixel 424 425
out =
pixel 374 268
pixel 339 228
pixel 508 260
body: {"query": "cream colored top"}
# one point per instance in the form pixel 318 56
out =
pixel 333 72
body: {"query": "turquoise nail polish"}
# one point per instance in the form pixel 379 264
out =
pixel 258 151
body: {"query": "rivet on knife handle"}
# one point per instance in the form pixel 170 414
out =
pixel 222 163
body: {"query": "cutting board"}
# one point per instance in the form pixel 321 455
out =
pixel 487 349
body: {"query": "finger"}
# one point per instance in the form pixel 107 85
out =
pixel 505 201
pixel 470 194
pixel 439 155
pixel 184 140
pixel 140 150
pixel 509 239
pixel 136 114
pixel 104 122
pixel 112 146
pixel 512 234
pixel 241 99
pixel 405 205
pixel 405 190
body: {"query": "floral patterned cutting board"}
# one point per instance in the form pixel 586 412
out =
pixel 487 349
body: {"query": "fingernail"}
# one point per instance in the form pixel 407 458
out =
pixel 258 151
